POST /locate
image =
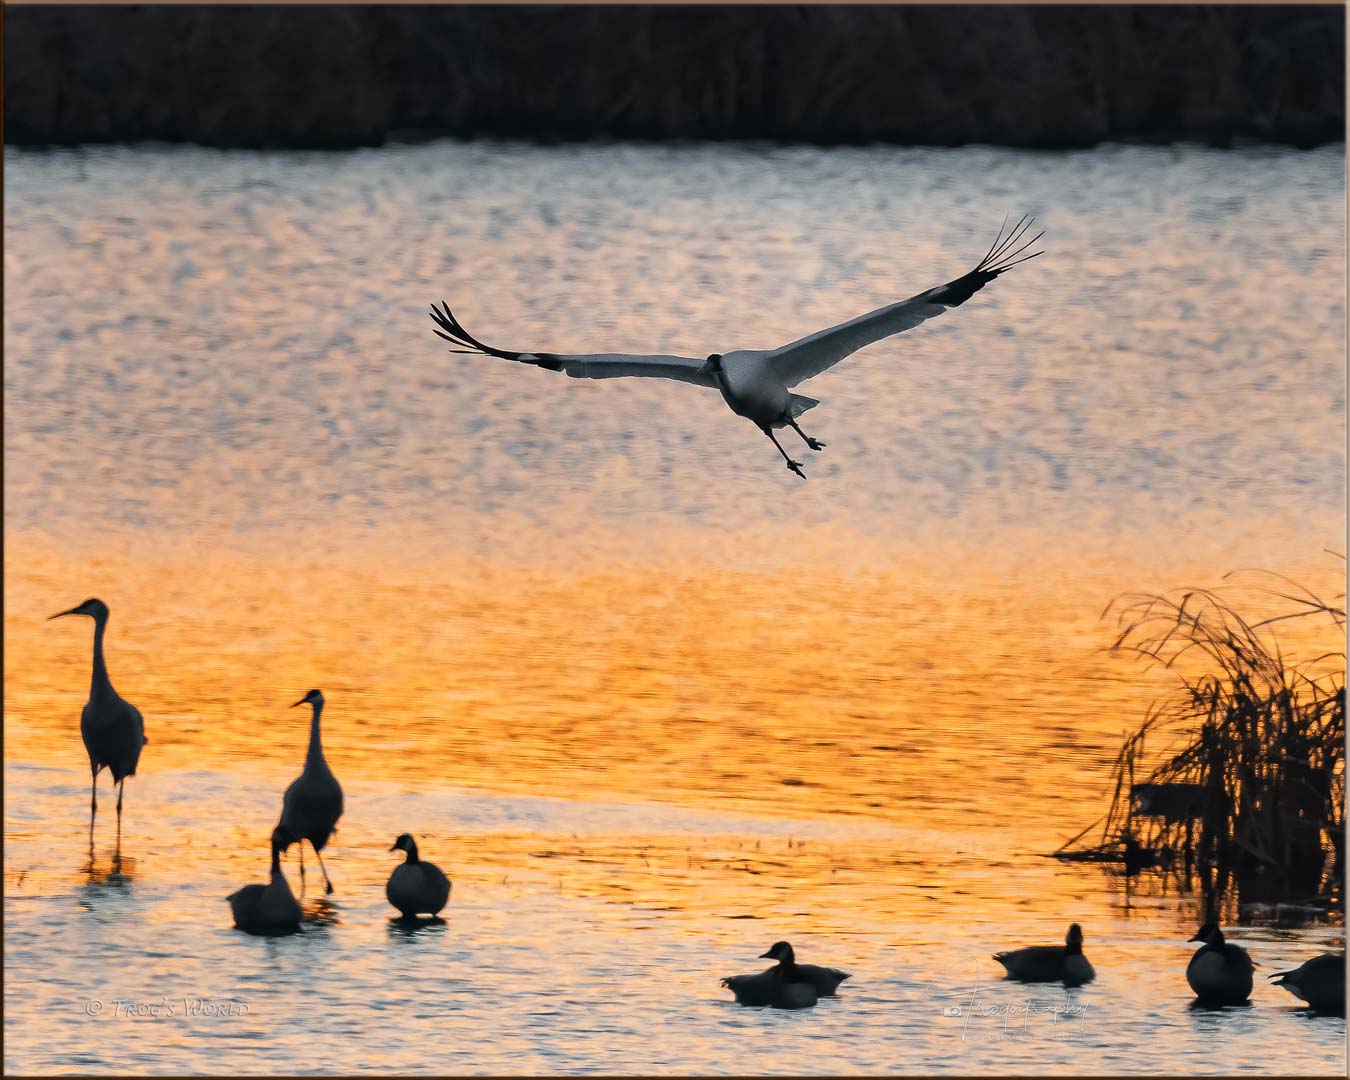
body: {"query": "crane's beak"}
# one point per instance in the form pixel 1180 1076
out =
pixel 767 955
pixel 1196 937
pixel 300 702
pixel 60 614
pixel 395 847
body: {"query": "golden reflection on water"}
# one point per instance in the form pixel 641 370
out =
pixel 898 693
pixel 614 595
pixel 908 736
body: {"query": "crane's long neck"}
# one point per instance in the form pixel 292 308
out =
pixel 276 860
pixel 100 684
pixel 314 756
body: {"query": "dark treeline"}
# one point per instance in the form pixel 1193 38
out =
pixel 343 76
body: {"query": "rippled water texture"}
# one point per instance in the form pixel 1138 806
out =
pixel 652 701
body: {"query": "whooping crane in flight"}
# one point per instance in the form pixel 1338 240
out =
pixel 757 384
pixel 313 803
pixel 111 726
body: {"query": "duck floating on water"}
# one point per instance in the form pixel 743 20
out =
pixel 1050 963
pixel 786 985
pixel 1220 972
pixel 416 887
pixel 271 907
pixel 1319 981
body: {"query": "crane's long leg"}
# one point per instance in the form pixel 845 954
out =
pixel 795 466
pixel 814 444
pixel 120 785
pixel 93 801
pixel 319 856
pixel 301 846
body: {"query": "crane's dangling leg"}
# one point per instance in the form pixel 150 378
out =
pixel 301 845
pixel 324 869
pixel 795 466
pixel 814 444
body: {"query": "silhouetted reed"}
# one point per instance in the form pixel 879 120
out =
pixel 1256 787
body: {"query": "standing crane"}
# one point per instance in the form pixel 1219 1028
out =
pixel 313 803
pixel 111 726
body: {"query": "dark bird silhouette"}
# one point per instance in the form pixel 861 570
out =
pixel 1220 973
pixel 416 887
pixel 270 907
pixel 1319 981
pixel 313 803
pixel 786 985
pixel 111 726
pixel 1050 963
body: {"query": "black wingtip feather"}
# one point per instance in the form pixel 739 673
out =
pixel 450 330
pixel 1005 253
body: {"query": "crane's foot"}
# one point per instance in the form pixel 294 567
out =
pixel 796 466
pixel 328 887
pixel 815 444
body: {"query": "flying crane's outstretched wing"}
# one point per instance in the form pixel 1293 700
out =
pixel 578 365
pixel 822 350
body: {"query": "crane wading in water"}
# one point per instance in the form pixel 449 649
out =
pixel 757 383
pixel 313 803
pixel 111 726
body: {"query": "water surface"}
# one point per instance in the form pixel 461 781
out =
pixel 650 699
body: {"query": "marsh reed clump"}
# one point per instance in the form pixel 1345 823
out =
pixel 1251 782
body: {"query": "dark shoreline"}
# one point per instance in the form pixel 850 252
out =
pixel 334 77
